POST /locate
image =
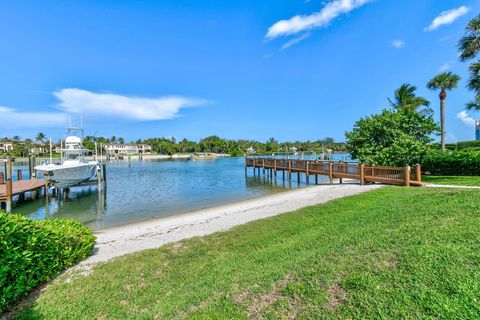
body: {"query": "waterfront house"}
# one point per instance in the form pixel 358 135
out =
pixel 128 148
pixel 6 146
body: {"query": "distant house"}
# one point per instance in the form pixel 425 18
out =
pixel 6 146
pixel 251 150
pixel 38 147
pixel 129 149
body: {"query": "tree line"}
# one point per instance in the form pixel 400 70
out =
pixel 169 146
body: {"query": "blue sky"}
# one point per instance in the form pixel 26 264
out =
pixel 239 69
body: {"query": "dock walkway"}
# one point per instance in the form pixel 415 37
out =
pixel 403 176
pixel 20 187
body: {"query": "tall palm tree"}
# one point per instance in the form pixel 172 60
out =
pixel 443 81
pixel 469 45
pixel 40 137
pixel 405 99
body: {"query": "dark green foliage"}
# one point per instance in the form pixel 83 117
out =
pixel 452 163
pixel 391 138
pixel 32 252
pixel 468 144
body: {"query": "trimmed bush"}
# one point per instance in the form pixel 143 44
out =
pixel 452 163
pixel 35 251
pixel 468 144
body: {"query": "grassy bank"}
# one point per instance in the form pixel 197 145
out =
pixel 391 253
pixel 453 180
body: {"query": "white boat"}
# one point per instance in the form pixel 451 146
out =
pixel 73 168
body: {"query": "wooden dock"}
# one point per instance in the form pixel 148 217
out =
pixel 20 187
pixel 10 189
pixel 403 176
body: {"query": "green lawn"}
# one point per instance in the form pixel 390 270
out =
pixel 391 253
pixel 453 180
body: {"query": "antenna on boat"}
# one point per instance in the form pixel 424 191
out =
pixel 81 121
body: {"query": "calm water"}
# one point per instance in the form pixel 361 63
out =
pixel 147 189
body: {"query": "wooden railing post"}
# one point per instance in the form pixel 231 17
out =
pixel 275 167
pixel 330 172
pixel 407 176
pixel 9 186
pixel 361 172
pixel 263 165
pixel 418 173
pixel 340 168
pixel 19 175
pixel 307 172
pixel 2 178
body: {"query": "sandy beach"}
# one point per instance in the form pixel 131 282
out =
pixel 118 241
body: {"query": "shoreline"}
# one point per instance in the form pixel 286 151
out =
pixel 149 234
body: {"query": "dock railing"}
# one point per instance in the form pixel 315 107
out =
pixel 404 176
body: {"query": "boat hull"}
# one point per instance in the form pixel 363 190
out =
pixel 62 176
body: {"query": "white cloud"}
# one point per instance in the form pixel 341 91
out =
pixel 114 105
pixel 447 17
pixel 294 41
pixel 466 119
pixel 14 118
pixel 301 23
pixel 445 67
pixel 399 44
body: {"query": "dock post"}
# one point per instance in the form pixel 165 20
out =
pixel 307 173
pixel 407 176
pixel 275 167
pixel 9 186
pixel 289 170
pixel 99 177
pixel 30 166
pixel 340 166
pixel 316 179
pixel 330 172
pixel 418 173
pixel 253 166
pixel 2 178
pixel 263 166
pixel 361 171
pixel 19 175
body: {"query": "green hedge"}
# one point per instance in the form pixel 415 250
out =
pixel 468 144
pixel 35 251
pixel 452 163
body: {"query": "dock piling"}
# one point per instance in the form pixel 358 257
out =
pixel 8 207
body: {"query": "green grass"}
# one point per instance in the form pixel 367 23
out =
pixel 392 253
pixel 453 180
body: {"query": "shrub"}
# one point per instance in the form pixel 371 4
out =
pixel 32 252
pixel 468 144
pixel 452 163
pixel 391 138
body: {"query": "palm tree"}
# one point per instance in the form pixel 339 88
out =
pixel 474 104
pixel 443 81
pixel 405 99
pixel 40 137
pixel 474 81
pixel 469 45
